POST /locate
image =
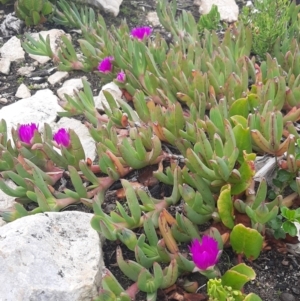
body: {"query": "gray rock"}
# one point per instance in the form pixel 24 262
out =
pixel 57 77
pixel 12 50
pixel 286 297
pixel 23 92
pixel 5 66
pixel 11 25
pixel 51 256
pixel 228 9
pixel 43 72
pixel 88 143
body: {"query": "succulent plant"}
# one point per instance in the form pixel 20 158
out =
pixel 33 12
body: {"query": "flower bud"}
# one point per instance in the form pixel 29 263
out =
pixel 26 132
pixel 204 253
pixel 105 66
pixel 121 76
pixel 62 137
pixel 141 32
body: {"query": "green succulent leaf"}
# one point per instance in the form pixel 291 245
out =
pixel 246 241
pixel 225 207
pixel 238 276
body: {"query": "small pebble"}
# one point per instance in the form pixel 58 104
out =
pixel 287 297
pixel 38 79
pixel 285 262
pixel 3 101
pixel 296 290
pixel 39 73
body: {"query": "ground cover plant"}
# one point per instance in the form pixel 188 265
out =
pixel 200 109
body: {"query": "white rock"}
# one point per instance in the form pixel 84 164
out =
pixel 39 108
pixel 152 17
pixel 13 50
pixel 228 9
pixel 111 6
pixel 5 66
pixel 113 89
pixel 51 256
pixel 69 87
pixel 3 100
pixel 88 143
pixel 24 71
pixel 23 92
pixel 7 202
pixel 74 82
pixel 2 222
pixel 55 37
pixel 66 90
pixel 57 77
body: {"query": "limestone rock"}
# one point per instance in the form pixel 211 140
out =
pixel 25 71
pixel 55 36
pixel 39 108
pixel 3 101
pixel 5 66
pixel 152 17
pixel 23 92
pixel 13 50
pixel 228 9
pixel 113 89
pixel 2 222
pixel 111 6
pixel 88 143
pixel 7 202
pixel 57 77
pixel 51 256
pixel 69 87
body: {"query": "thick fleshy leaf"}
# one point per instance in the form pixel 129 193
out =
pixel 246 241
pixel 238 276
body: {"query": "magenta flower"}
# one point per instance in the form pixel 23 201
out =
pixel 62 137
pixel 141 32
pixel 105 65
pixel 204 253
pixel 121 76
pixel 26 132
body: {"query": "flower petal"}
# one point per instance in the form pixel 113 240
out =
pixel 26 132
pixel 204 254
pixel 141 32
pixel 62 137
pixel 105 65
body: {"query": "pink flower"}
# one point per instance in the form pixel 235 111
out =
pixel 121 76
pixel 26 132
pixel 105 65
pixel 62 137
pixel 141 32
pixel 204 253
